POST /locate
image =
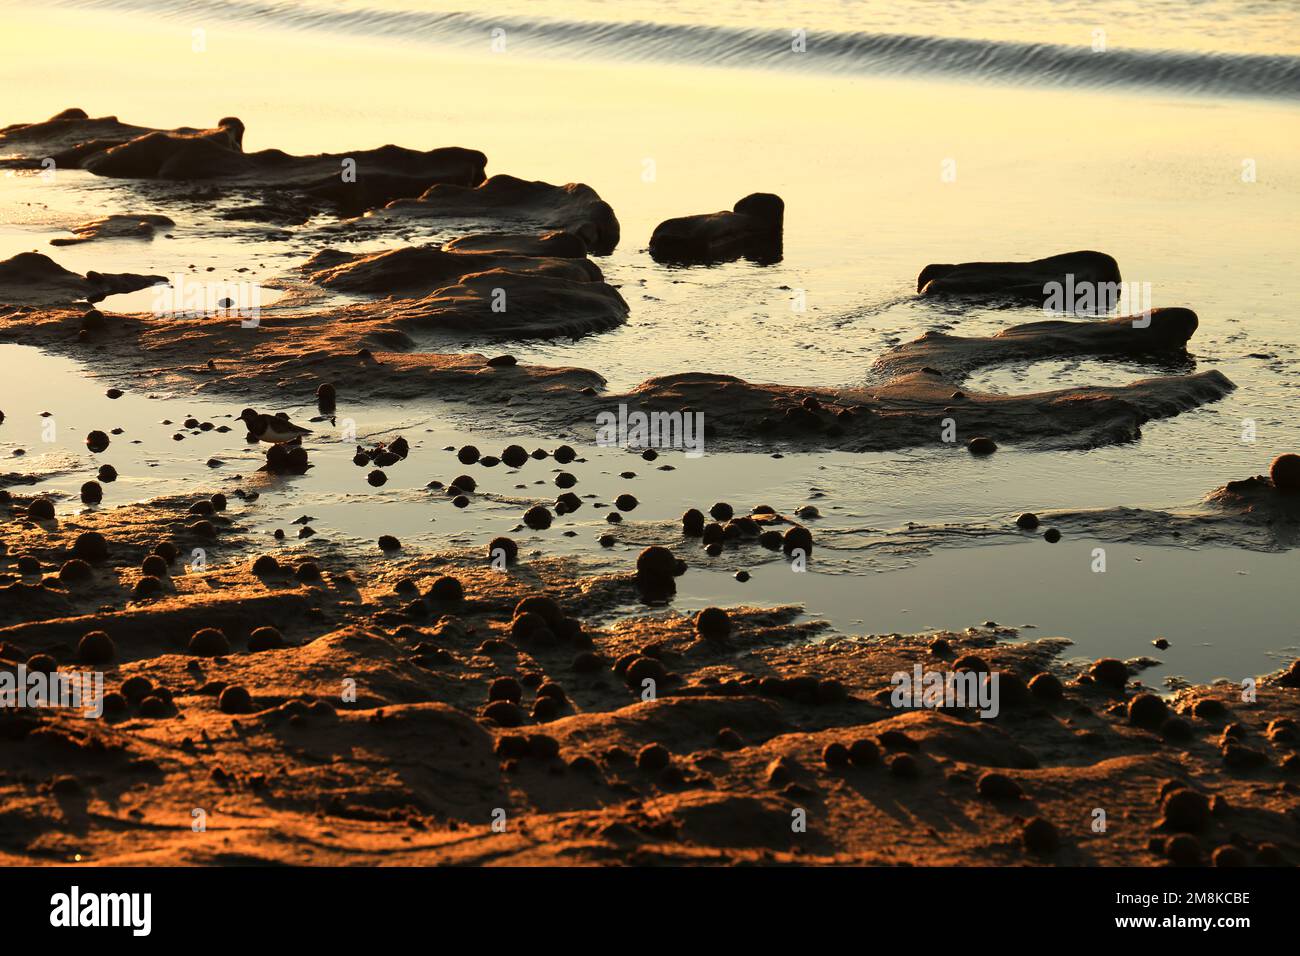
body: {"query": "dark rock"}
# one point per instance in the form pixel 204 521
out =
pixel 1040 836
pixel 1185 810
pixel 653 757
pixel 713 623
pixel 265 639
pixel 209 642
pixel 95 647
pixel 997 786
pixel 753 228
pixel 835 755
pixel 235 700
pixel 1109 672
pixel 1147 710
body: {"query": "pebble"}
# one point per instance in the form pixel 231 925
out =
pixel 97 441
pixel 1229 856
pixel 904 765
pixel 1184 810
pixel 148 587
pixel 95 647
pixel 1183 850
pixel 897 740
pixel 1285 472
pixel 713 623
pixel 1110 672
pixel 1147 710
pixel 538 518
pixel 552 690
pixel 504 713
pixel 505 688
pixel 503 547
pixel 209 642
pixel 42 664
pixel 1040 836
pixel 1051 536
pixel 835 755
pixel 92 493
pixel 41 509
pixel 389 543
pixel 653 757
pixel 467 455
pixel 235 700
pixel 642 669
pixel 136 689
pixel 1046 687
pixel 1027 521
pixel 625 502
pixel 514 456
pixel 564 454
pixel 1176 729
pixel 543 746
pixel 656 563
pixel 446 589
pixel 91 546
pixel 864 753
pixel 376 478
pixel 265 639
pixel 998 786
pixel 75 571
pixel 728 739
pixel 981 446
pixel 797 539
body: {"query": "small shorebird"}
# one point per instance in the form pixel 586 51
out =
pixel 276 429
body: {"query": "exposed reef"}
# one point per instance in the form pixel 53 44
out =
pixel 752 228
pixel 575 209
pixel 1023 280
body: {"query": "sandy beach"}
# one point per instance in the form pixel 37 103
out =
pixel 572 445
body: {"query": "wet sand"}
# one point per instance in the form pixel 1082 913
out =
pixel 465 713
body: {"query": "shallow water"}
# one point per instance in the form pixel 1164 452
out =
pixel 1154 179
pixel 869 573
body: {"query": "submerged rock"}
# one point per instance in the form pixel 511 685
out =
pixel 1020 280
pixel 753 228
